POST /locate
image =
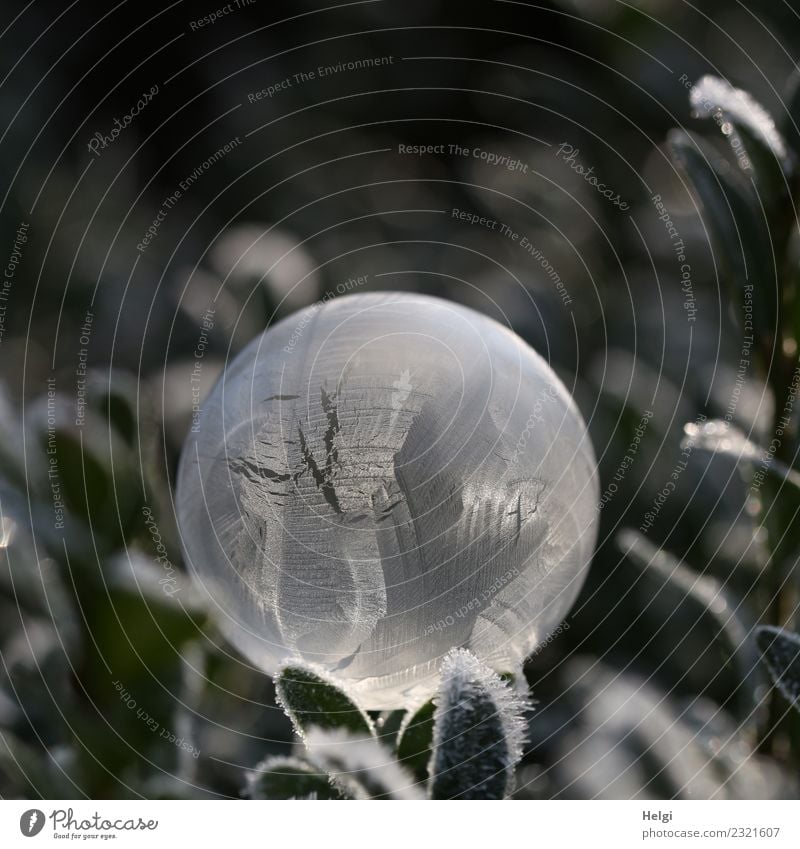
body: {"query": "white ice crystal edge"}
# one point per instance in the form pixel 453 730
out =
pixel 462 674
pixel 353 762
pixel 274 762
pixel 410 714
pixel 711 94
pixel 328 679
pixel 719 437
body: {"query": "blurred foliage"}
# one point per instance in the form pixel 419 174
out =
pixel 114 681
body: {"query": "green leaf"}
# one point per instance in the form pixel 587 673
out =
pixel 781 650
pixel 479 732
pixel 89 470
pixel 311 699
pixel 745 123
pixel 726 615
pixel 13 458
pixel 27 772
pixel 719 437
pixel 113 395
pixel 360 766
pixel 737 225
pixel 31 581
pixel 790 121
pixel 290 778
pixel 415 740
pixel 791 296
pixel 633 739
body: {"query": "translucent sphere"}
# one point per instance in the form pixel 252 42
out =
pixel 379 479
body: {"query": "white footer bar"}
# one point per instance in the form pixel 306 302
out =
pixel 413 825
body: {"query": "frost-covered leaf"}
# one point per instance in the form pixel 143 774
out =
pixel 257 254
pixel 725 614
pixel 312 699
pixel 93 468
pixel 290 778
pixel 737 114
pixel 479 732
pixel 736 223
pixel 35 666
pixel 781 651
pixel 719 437
pixel 360 767
pixel 415 740
pixel 156 581
pixel 32 580
pixel 114 395
pixel 13 459
pixel 630 739
pixel 27 772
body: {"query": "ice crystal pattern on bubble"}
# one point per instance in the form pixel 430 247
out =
pixel 380 479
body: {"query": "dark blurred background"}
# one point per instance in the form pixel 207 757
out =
pixel 636 698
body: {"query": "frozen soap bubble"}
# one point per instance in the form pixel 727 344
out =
pixel 379 479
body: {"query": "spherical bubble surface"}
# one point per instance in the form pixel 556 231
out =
pixel 379 479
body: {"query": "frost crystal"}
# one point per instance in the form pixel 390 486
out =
pixel 379 479
pixel 479 732
pixel 714 97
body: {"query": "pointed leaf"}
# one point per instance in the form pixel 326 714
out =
pixel 361 766
pixel 781 651
pixel 736 223
pixel 719 437
pixel 635 740
pixel 791 283
pixel 790 120
pixel 416 739
pixel 290 778
pixel 737 112
pixel 311 698
pixel 727 616
pixel 114 395
pixel 479 732
pixel 27 772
